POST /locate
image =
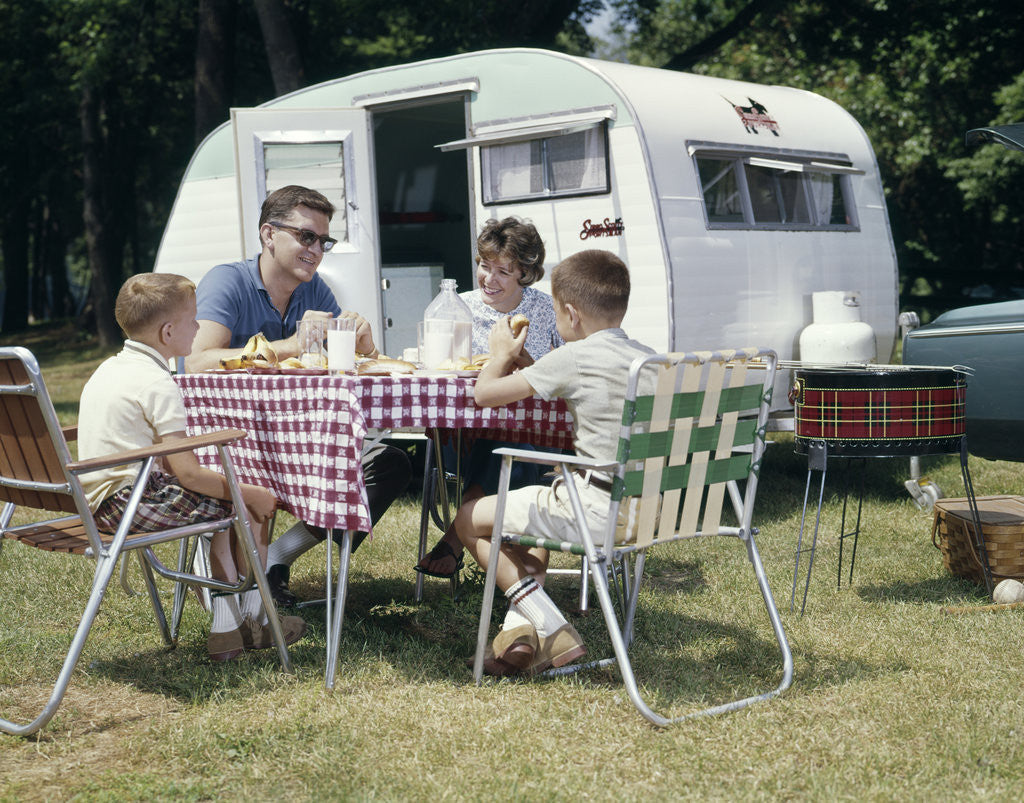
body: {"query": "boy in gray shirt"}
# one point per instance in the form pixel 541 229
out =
pixel 591 292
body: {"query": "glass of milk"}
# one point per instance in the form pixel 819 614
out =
pixel 436 338
pixel 341 345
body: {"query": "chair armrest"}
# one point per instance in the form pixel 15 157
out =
pixel 557 459
pixel 217 438
pixel 70 433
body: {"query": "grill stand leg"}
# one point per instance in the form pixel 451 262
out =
pixel 817 460
pixel 855 532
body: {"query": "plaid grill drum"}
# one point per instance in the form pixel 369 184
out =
pixel 880 412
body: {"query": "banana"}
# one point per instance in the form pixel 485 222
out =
pixel 252 345
pixel 257 353
pixel 261 348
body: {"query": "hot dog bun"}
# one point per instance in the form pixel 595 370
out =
pixel 385 365
pixel 518 323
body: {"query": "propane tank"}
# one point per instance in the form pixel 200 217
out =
pixel 838 335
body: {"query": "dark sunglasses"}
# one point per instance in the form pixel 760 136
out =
pixel 307 237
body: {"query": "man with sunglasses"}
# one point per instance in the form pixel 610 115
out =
pixel 270 293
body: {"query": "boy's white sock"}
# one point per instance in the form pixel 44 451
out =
pixel 296 540
pixel 536 606
pixel 514 618
pixel 226 613
pixel 252 605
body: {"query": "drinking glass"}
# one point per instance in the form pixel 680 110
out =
pixel 311 336
pixel 341 345
pixel 435 339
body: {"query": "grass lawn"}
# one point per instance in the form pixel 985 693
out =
pixel 892 698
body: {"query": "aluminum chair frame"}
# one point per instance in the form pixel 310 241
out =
pixel 680 451
pixel 437 509
pixel 38 473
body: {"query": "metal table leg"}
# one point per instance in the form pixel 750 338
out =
pixel 435 482
pixel 334 617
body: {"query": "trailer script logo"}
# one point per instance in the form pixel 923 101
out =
pixel 610 228
pixel 754 116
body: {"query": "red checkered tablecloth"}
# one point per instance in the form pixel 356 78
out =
pixel 306 432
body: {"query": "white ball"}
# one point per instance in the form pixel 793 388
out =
pixel 1008 591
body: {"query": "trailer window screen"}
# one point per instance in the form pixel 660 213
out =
pixel 569 164
pixel 745 191
pixel 777 196
pixel 827 194
pixel 721 191
pixel 320 165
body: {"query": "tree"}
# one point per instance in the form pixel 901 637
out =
pixel 38 186
pixel 214 77
pixel 283 53
pixel 115 94
pixel 127 64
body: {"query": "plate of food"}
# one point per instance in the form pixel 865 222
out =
pixel 259 357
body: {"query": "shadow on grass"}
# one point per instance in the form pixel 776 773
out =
pixel 934 590
pixel 681 660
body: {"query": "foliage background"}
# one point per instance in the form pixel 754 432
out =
pixel 106 100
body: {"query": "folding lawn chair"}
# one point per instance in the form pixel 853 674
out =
pixel 680 450
pixel 37 473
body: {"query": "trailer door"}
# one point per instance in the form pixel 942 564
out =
pixel 327 150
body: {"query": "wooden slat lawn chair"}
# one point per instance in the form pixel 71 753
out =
pixel 37 473
pixel 682 449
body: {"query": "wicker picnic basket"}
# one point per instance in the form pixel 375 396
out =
pixel 1002 524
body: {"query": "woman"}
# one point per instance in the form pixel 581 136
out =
pixel 510 258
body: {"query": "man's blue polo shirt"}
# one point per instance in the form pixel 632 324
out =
pixel 233 295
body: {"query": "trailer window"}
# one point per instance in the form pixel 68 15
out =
pixel 768 191
pixel 310 164
pixel 776 196
pixel 721 192
pixel 827 194
pixel 569 164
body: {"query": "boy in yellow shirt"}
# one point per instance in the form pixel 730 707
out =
pixel 131 402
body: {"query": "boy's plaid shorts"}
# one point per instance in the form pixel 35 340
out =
pixel 164 504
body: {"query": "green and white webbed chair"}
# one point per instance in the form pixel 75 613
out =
pixel 682 450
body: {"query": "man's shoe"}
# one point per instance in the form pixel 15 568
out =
pixel 225 646
pixel 255 636
pixel 277 577
pixel 563 646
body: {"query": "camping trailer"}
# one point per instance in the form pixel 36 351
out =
pixel 731 202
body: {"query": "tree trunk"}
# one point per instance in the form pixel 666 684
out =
pixel 215 49
pixel 15 249
pixel 51 263
pixel 282 50
pixel 98 233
